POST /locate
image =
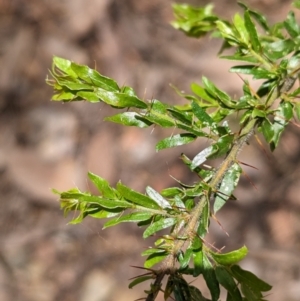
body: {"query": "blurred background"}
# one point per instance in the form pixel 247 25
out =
pixel 46 145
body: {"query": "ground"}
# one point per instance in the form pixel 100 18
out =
pixel 48 145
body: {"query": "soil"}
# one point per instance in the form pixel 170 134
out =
pixel 48 145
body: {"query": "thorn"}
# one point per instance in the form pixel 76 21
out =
pixel 248 178
pixel 215 218
pixel 143 268
pixel 262 147
pixel 153 129
pixel 243 163
pixel 135 277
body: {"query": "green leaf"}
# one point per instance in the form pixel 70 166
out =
pixel 291 25
pixel 129 119
pixel 238 57
pixel 222 97
pixel 63 96
pixel 120 100
pixel 139 280
pixel 267 130
pixel 198 263
pixel 136 197
pixel 202 116
pixel 202 156
pixel 102 185
pixel 171 192
pixel 64 65
pixel 251 295
pixel 185 260
pixel 178 203
pixel 161 224
pixel 176 140
pixel 106 214
pixel 193 130
pixel 196 295
pixel 200 91
pixel 258 113
pixel 94 78
pixel 106 203
pixel 222 146
pixel 240 26
pixel 193 21
pixel 226 280
pixel 155 196
pixel 162 119
pixel 249 279
pixel 227 33
pixel 279 49
pixel 128 90
pixel 296 3
pixel 134 217
pixel 181 116
pixel 231 257
pixel 73 85
pixel 261 19
pixel 287 110
pixel 151 251
pixel 154 259
pixel 257 72
pixel 181 289
pixel 282 116
pixel 204 220
pixel 210 279
pixel 87 95
pixel 297 109
pixel 227 187
pixel 252 32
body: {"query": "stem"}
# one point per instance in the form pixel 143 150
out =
pixel 192 224
pixel 155 287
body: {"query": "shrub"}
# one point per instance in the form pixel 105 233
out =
pixel 268 53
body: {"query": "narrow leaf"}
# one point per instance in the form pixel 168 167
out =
pixel 120 100
pixel 297 109
pixel 250 279
pixel 154 259
pixel 267 130
pixel 64 65
pixel 139 280
pixel 176 140
pixel 239 24
pixel 202 116
pixel 231 257
pixel 200 91
pixel 198 263
pixel 210 279
pixel 136 197
pixel 94 78
pixel 204 220
pixel 291 25
pixel 130 119
pixel 227 281
pixel 102 185
pixel 202 156
pixel 161 224
pixel 222 97
pixel 227 187
pixel 132 217
pixel 252 32
pixel 159 199
pixel 185 260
